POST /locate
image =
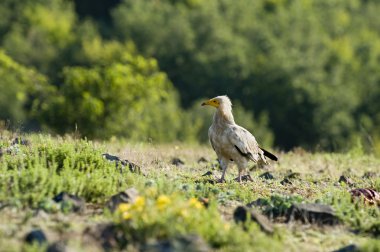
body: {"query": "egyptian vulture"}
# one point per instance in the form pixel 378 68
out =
pixel 230 141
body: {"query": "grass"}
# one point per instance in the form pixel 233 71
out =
pixel 31 175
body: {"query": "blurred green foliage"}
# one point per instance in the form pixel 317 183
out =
pixel 306 72
pixel 304 63
pixel 23 92
pixel 129 97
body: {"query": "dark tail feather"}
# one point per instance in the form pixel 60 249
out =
pixel 269 155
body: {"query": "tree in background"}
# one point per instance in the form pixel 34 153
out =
pixel 23 93
pixel 299 62
pixel 121 94
pixel 40 34
pixel 304 70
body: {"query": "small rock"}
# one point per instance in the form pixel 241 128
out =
pixel 370 196
pixel 374 229
pixel 20 141
pixel 293 175
pixel 36 236
pixel 128 196
pixel 112 237
pixel 258 203
pixel 241 214
pixel 286 181
pixel 109 236
pixel 202 160
pixel 245 178
pixel 134 168
pixel 73 202
pixel 349 248
pixel 266 175
pixel 110 157
pixel 206 181
pixel 345 180
pixel 369 175
pixel 209 173
pixel 313 213
pixel 192 243
pixel 204 201
pixel 177 162
pixel 58 246
pixel 11 150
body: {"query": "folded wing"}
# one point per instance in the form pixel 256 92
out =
pixel 244 142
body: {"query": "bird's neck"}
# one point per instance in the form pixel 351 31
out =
pixel 224 116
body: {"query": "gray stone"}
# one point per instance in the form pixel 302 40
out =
pixel 177 162
pixel 58 246
pixel 207 181
pixel 36 236
pixel 202 160
pixel 346 180
pixel 349 248
pixel 241 215
pixel 112 237
pixel 70 201
pixel 369 195
pixel 20 141
pixel 258 203
pixel 245 178
pixel 313 213
pixel 134 168
pixel 192 243
pixel 293 175
pixel 208 173
pixel 128 196
pixel 110 157
pixel 369 175
pixel 286 181
pixel 266 175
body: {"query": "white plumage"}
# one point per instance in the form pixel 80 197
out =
pixel 230 141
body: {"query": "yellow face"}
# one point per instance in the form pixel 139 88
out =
pixel 212 102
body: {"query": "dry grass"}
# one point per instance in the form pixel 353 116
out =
pixel 318 181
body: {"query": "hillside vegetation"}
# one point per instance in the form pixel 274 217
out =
pixel 177 204
pixel 302 73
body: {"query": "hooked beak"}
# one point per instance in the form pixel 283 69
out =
pixel 210 103
pixel 206 103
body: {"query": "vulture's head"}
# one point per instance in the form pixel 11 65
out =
pixel 219 102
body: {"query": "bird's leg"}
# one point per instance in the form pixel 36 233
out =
pixel 221 180
pixel 224 166
pixel 241 170
pixel 239 176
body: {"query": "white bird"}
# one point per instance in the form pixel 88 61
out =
pixel 230 141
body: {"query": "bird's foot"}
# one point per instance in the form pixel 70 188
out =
pixel 244 178
pixel 221 180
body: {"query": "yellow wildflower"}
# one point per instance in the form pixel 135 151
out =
pixel 226 226
pixel 127 215
pixel 123 207
pixel 184 213
pixel 139 203
pixel 193 202
pixel 162 201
